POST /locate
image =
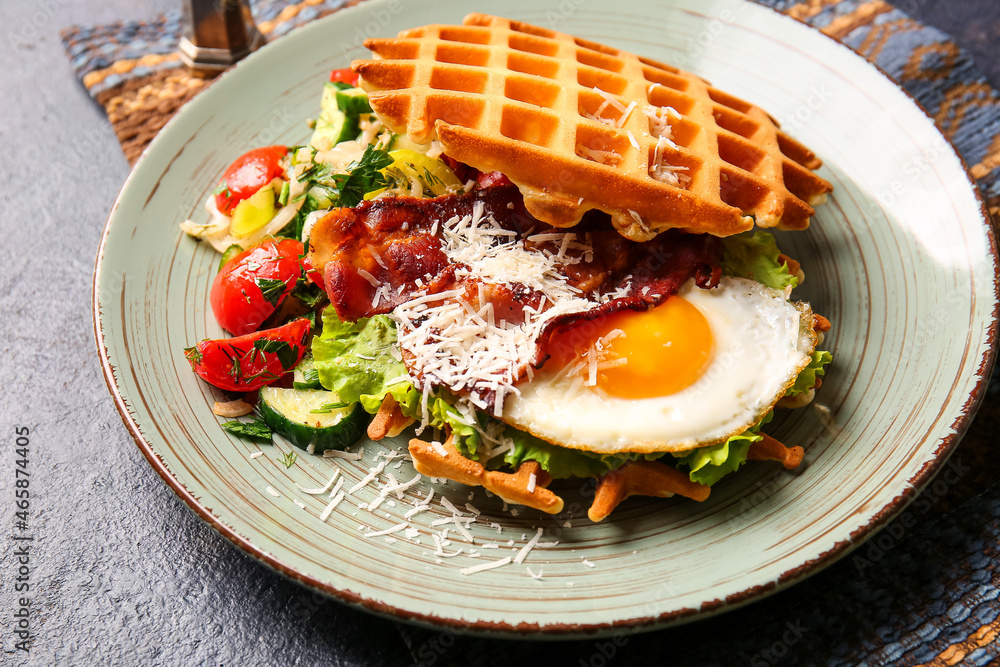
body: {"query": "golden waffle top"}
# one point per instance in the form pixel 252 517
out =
pixel 577 125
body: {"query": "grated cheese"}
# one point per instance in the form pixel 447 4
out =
pixel 526 549
pixel 459 345
pixel 336 454
pixel 273 492
pixel 367 479
pixel 388 531
pixel 316 492
pixel 329 508
pixel 485 566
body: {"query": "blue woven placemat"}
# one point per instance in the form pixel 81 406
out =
pixel 925 590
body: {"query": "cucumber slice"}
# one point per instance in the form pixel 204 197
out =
pixel 289 412
pixel 400 141
pixel 353 101
pixel 230 252
pixel 333 125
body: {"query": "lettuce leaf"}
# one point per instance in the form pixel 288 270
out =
pixel 355 360
pixel 560 462
pixel 756 257
pixel 806 379
pixel 708 465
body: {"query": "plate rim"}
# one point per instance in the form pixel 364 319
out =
pixel 529 630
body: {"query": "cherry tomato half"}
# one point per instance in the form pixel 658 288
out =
pixel 344 75
pixel 248 174
pixel 249 362
pixel 254 283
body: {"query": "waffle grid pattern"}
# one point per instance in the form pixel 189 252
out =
pixel 568 120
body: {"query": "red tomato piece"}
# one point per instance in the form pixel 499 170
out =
pixel 312 274
pixel 463 171
pixel 248 174
pixel 344 75
pixel 249 362
pixel 492 178
pixel 254 283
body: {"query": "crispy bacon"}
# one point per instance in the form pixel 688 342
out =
pixel 375 254
pixel 387 251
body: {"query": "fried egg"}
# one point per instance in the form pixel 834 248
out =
pixel 704 365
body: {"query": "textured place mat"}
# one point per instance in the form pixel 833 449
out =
pixel 925 590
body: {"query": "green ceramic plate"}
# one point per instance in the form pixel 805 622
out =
pixel 901 260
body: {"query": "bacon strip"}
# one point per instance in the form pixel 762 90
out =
pixel 387 251
pixel 384 246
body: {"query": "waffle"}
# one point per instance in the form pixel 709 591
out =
pixel 444 460
pixel 642 478
pixel 568 121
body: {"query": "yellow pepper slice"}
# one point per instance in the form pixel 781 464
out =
pixel 435 176
pixel 253 213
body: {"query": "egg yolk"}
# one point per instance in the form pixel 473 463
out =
pixel 664 349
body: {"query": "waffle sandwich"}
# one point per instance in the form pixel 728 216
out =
pixel 576 298
pixel 577 126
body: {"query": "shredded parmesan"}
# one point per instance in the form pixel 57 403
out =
pixel 458 343
pixel 485 566
pixel 526 549
pixel 329 508
pixel 335 454
pixel 388 531
pixel 316 492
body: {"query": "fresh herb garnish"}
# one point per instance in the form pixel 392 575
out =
pixel 365 176
pixel 288 460
pixel 283 196
pixel 287 354
pixel 255 429
pixel 309 293
pixel 310 379
pixel 272 289
pixel 222 189
pixel 328 408
pixel 193 355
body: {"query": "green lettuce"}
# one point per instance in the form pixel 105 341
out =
pixel 355 360
pixel 806 379
pixel 708 465
pixel 756 257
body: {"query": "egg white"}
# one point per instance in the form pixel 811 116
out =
pixel 761 343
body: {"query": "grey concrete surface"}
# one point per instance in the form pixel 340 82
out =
pixel 122 572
